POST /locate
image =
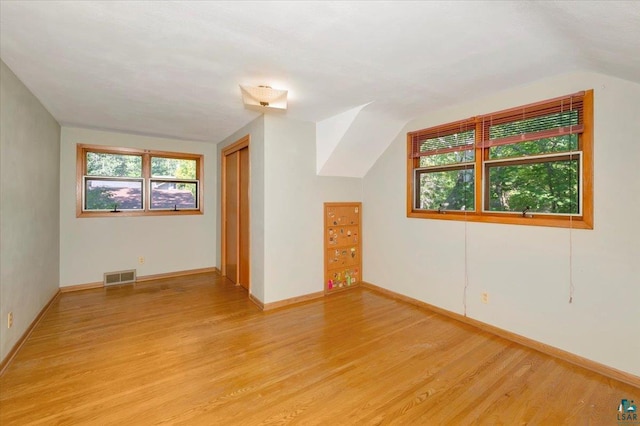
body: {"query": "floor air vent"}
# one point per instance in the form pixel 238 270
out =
pixel 120 277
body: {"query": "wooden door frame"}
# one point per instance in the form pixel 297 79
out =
pixel 234 147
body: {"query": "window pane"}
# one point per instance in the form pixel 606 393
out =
pixel 115 165
pixel 107 194
pixel 451 189
pixel 551 121
pixel 541 146
pixel 549 187
pixel 448 158
pixel 176 168
pixel 461 139
pixel 169 195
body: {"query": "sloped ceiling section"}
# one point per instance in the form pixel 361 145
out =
pixel 600 36
pixel 350 143
pixel 330 132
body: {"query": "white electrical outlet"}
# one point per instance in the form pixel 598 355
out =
pixel 484 297
pixel 10 320
pixel 141 260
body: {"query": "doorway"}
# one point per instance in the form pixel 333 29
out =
pixel 235 212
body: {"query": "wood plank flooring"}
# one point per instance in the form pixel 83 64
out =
pixel 194 351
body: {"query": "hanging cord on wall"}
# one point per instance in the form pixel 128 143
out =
pixel 571 286
pixel 466 266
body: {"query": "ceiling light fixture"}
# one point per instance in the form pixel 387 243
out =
pixel 264 97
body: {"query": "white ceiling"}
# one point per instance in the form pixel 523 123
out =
pixel 173 68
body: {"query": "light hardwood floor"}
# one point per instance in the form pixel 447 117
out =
pixel 194 351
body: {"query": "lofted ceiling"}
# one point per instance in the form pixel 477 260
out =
pixel 173 68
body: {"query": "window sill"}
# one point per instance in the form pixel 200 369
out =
pixel 508 219
pixel 129 213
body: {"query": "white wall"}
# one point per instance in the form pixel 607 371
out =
pixel 256 200
pixel 91 246
pixel 525 269
pixel 29 201
pixel 294 197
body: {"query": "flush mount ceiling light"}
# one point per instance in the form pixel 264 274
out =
pixel 264 97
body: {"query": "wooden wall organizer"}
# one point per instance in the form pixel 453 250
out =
pixel 342 246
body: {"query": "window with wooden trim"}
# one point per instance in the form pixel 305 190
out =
pixel 528 165
pixel 134 182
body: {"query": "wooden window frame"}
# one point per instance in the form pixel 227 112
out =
pixel 585 146
pixel 145 154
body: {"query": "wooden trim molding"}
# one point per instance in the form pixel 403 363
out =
pixel 142 278
pixel 145 155
pixel 286 302
pixel 80 287
pixel 243 142
pixel 256 302
pixel 569 357
pixel 584 220
pixel 13 352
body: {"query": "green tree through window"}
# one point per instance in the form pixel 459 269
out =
pixel 135 181
pixel 536 158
